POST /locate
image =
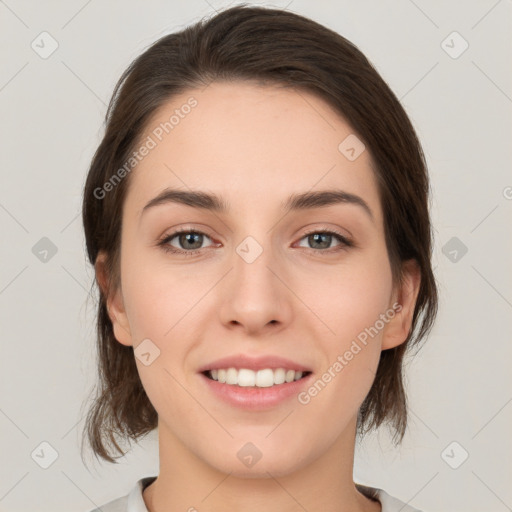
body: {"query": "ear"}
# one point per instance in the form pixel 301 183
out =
pixel 114 300
pixel 398 328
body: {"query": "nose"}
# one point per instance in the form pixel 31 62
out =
pixel 254 296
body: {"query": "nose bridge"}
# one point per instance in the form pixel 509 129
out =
pixel 251 262
pixel 254 296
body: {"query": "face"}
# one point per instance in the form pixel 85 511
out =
pixel 264 277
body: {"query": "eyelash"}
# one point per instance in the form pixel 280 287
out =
pixel 164 242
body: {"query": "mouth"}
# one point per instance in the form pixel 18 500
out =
pixel 260 388
pixel 247 378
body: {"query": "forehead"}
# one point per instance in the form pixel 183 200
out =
pixel 252 144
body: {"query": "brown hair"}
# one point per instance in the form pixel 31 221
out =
pixel 279 48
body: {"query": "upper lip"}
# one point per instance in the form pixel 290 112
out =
pixel 254 363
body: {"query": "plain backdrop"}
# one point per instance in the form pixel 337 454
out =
pixel 456 454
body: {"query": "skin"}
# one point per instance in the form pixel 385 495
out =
pixel 255 145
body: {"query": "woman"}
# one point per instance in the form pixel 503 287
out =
pixel 257 216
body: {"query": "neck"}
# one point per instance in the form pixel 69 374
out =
pixel 186 482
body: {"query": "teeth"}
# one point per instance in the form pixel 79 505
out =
pixel 248 378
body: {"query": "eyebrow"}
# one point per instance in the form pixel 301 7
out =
pixel 295 202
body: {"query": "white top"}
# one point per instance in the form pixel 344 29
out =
pixel 134 502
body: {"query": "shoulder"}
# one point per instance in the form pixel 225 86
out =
pixel 392 504
pixel 389 503
pixel 117 505
pixel 132 502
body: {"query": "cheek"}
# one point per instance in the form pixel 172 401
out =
pixel 157 298
pixel 160 307
pixel 164 305
pixel 349 298
pixel 353 308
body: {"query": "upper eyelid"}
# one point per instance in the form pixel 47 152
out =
pixel 202 232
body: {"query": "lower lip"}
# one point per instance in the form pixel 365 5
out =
pixel 255 398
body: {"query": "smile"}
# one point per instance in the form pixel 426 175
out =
pixel 263 378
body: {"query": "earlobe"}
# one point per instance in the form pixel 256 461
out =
pixel 114 301
pixel 398 328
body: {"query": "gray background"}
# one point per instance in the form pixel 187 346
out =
pixel 52 112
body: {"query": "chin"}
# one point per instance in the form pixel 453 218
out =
pixel 267 466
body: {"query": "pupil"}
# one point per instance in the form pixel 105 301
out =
pixel 315 237
pixel 191 236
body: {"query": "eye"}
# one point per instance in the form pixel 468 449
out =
pixel 189 242
pixel 321 240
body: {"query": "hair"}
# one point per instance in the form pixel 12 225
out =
pixel 277 48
